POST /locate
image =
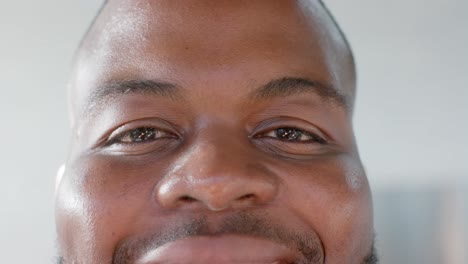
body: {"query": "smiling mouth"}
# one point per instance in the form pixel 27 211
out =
pixel 225 249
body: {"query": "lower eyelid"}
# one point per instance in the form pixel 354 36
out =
pixel 136 149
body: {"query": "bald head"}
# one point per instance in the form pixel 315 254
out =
pixel 214 126
pixel 319 2
pixel 124 29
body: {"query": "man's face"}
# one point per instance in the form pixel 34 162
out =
pixel 213 132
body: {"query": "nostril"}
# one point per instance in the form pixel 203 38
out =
pixel 187 198
pixel 247 196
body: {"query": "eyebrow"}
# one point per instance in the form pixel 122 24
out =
pixel 149 87
pixel 289 86
pixel 283 87
pixel 113 89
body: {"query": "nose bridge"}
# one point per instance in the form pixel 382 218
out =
pixel 217 172
pixel 219 156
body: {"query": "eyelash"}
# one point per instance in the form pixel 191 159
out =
pixel 295 133
pixel 152 135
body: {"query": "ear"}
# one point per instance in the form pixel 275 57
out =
pixel 58 178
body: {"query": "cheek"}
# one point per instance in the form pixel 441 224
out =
pixel 332 196
pixel 98 204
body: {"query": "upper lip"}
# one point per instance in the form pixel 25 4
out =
pixel 223 249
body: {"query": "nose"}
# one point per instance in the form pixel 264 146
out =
pixel 217 175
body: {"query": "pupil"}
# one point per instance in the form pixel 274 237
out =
pixel 288 133
pixel 142 134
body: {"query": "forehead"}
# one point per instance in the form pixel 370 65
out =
pixel 209 41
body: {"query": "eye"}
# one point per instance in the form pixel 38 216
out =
pixel 140 135
pixel 294 135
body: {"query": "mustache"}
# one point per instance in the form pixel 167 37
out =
pixel 306 243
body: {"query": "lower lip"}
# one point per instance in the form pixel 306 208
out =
pixel 226 249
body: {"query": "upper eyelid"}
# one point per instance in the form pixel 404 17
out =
pixel 118 136
pixel 291 122
pixel 105 138
pixel 262 128
pixel 158 124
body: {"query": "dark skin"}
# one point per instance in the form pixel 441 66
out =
pixel 213 132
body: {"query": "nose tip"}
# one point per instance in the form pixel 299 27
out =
pixel 218 172
pixel 215 193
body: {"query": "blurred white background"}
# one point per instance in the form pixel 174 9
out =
pixel 411 121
